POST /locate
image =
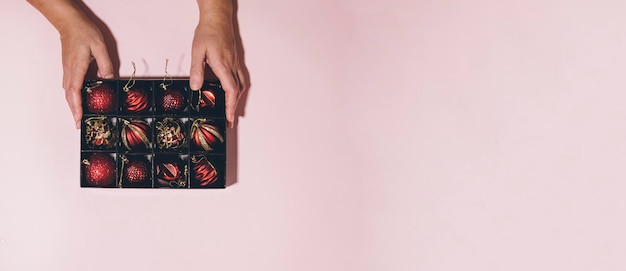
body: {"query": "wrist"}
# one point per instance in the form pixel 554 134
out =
pixel 62 14
pixel 215 12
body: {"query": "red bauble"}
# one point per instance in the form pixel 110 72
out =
pixel 136 172
pixel 169 174
pixel 173 100
pixel 135 134
pixel 136 100
pixel 99 169
pixel 100 99
pixel 205 135
pixel 204 173
pixel 207 98
pixel 170 134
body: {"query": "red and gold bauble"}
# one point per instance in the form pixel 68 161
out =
pixel 136 100
pixel 135 134
pixel 170 134
pixel 99 169
pixel 205 134
pixel 203 172
pixel 172 100
pixel 100 98
pixel 99 132
pixel 169 174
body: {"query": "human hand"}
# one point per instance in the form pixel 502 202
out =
pixel 82 43
pixel 214 45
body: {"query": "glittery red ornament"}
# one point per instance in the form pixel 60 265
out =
pixel 100 98
pixel 99 169
pixel 203 172
pixel 136 171
pixel 172 100
pixel 135 134
pixel 169 174
pixel 205 135
pixel 136 100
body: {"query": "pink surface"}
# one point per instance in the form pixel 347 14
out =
pixel 404 135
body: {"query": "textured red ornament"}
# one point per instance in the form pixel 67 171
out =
pixel 172 100
pixel 136 100
pixel 169 174
pixel 136 172
pixel 205 135
pixel 99 169
pixel 135 134
pixel 100 98
pixel 203 171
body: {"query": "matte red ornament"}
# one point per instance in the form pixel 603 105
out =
pixel 135 134
pixel 136 100
pixel 100 98
pixel 172 100
pixel 205 135
pixel 99 169
pixel 204 173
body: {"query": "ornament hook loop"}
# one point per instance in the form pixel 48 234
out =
pixel 131 81
pixel 167 79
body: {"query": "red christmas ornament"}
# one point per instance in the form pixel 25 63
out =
pixel 135 134
pixel 136 100
pixel 207 98
pixel 99 133
pixel 136 171
pixel 99 169
pixel 170 134
pixel 205 135
pixel 204 173
pixel 172 100
pixel 169 174
pixel 100 98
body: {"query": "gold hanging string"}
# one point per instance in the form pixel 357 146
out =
pixel 93 85
pixel 131 81
pixel 184 181
pixel 195 159
pixel 167 79
pixel 124 161
pixel 86 162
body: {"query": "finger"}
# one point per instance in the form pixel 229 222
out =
pixel 243 84
pixel 105 66
pixel 75 77
pixel 196 75
pixel 227 79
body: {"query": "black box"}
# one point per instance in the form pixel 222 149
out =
pixel 151 133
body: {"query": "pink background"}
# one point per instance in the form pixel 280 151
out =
pixel 377 135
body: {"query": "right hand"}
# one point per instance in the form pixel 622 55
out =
pixel 81 43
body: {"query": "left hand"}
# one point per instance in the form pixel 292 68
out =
pixel 214 44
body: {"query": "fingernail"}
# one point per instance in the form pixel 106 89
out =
pixel 231 124
pixel 194 86
pixel 108 76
